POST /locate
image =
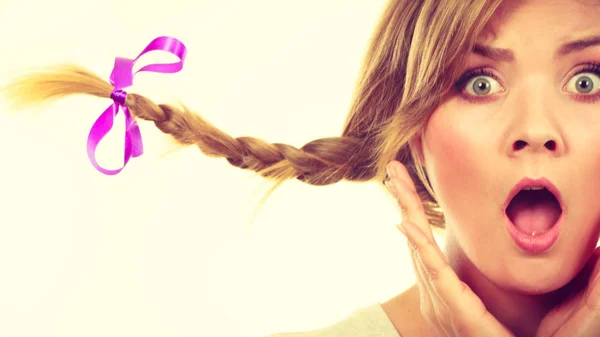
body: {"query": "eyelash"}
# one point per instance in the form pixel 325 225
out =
pixel 459 86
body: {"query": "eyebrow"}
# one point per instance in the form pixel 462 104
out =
pixel 506 55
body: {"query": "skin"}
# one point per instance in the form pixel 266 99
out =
pixel 469 152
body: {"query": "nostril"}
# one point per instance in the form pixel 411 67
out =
pixel 551 145
pixel 519 144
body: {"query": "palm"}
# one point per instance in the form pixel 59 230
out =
pixel 577 315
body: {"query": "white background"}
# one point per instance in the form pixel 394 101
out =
pixel 166 247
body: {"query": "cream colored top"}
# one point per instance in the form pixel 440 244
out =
pixel 370 321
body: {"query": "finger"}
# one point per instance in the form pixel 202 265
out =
pixel 584 323
pixel 425 293
pixel 466 308
pixel 402 173
pixel 412 205
pixel 434 309
pixel 409 198
pixel 410 201
pixel 423 269
pixel 586 320
pixel 438 307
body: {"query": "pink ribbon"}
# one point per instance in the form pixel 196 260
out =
pixel 122 77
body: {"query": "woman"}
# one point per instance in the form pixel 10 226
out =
pixel 487 114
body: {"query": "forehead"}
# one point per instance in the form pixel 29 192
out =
pixel 560 19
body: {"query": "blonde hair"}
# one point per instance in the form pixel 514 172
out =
pixel 416 53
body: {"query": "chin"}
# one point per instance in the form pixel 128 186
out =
pixel 537 281
pixel 535 289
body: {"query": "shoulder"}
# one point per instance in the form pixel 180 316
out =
pixel 370 321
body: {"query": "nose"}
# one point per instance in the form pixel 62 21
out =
pixel 534 128
pixel 536 136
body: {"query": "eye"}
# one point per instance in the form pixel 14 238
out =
pixel 584 83
pixel 482 86
pixel 478 86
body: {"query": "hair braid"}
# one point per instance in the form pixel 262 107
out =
pixel 320 162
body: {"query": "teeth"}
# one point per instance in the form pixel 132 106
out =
pixel 533 188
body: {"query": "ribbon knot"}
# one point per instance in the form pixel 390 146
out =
pixel 119 96
pixel 122 77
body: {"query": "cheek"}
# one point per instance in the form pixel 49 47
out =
pixel 581 175
pixel 452 158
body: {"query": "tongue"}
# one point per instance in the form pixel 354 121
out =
pixel 534 212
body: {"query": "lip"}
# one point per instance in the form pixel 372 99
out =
pixel 529 182
pixel 541 242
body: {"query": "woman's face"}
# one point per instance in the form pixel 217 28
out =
pixel 532 115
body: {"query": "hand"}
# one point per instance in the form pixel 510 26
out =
pixel 447 303
pixel 579 314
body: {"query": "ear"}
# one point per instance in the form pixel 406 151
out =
pixel 416 145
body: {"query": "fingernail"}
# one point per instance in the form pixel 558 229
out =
pixel 391 189
pixel 390 171
pixel 402 228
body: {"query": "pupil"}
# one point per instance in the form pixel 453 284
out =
pixel 585 84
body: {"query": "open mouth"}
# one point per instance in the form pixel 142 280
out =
pixel 534 210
